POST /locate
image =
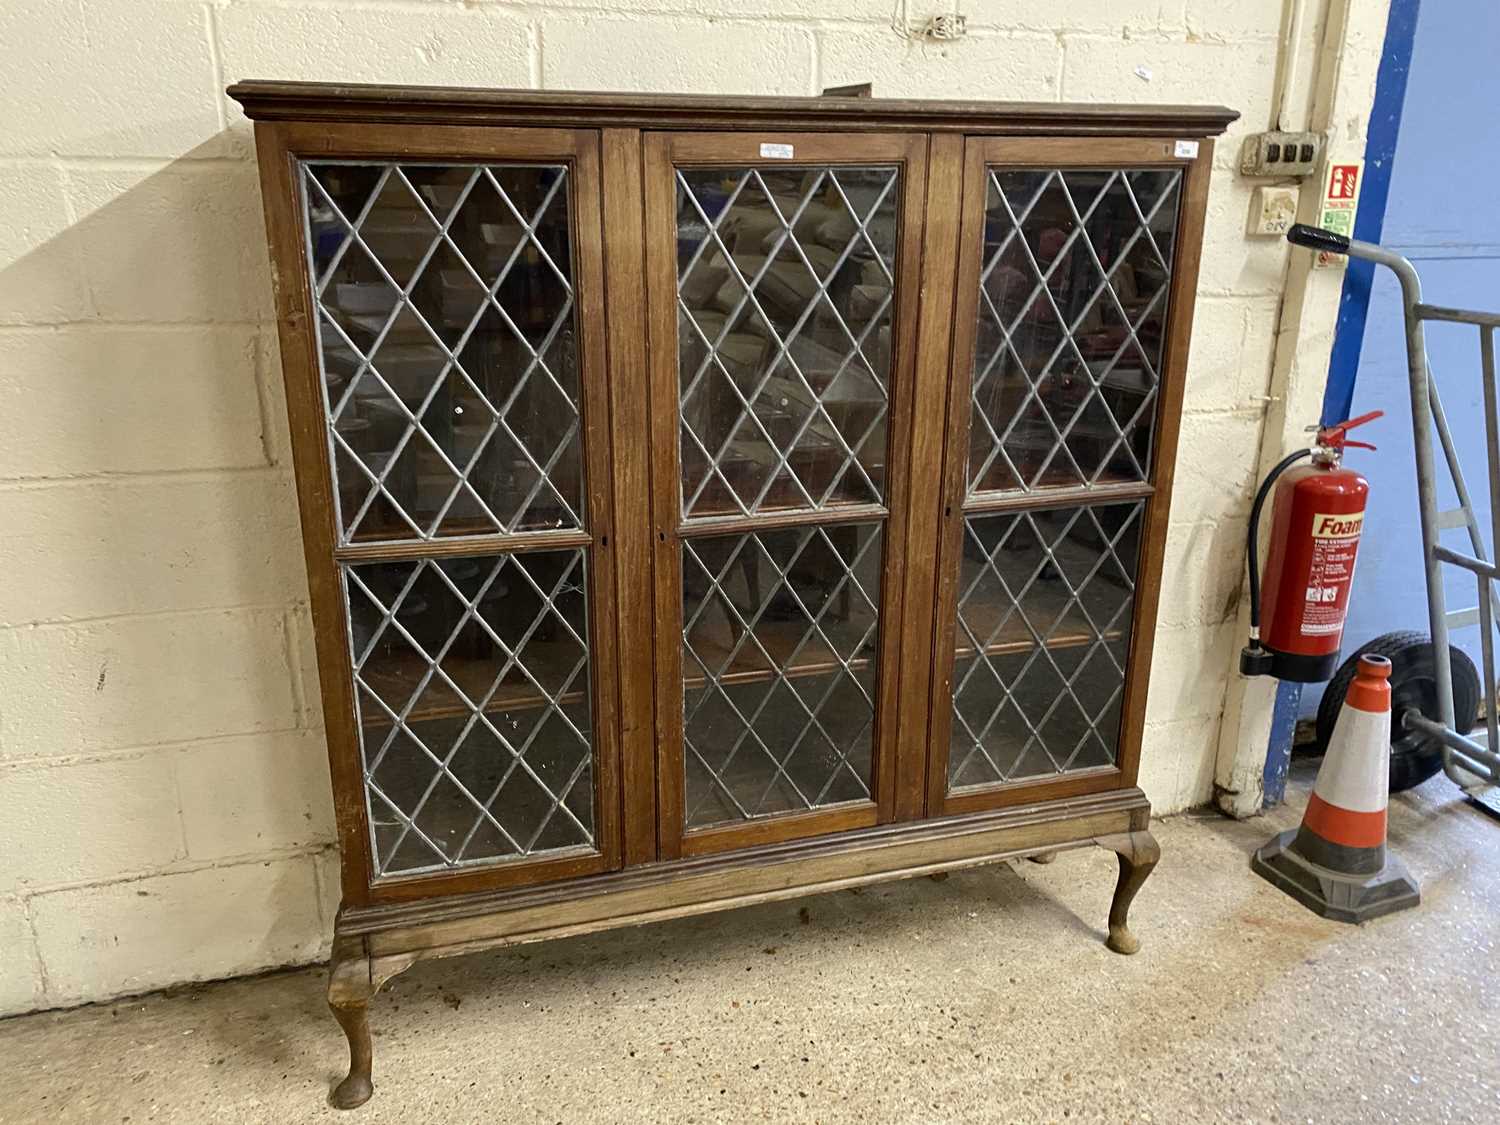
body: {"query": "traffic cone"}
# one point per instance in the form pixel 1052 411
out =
pixel 1336 864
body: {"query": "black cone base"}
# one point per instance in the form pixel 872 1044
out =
pixel 1344 898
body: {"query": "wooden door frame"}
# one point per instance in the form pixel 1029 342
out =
pixel 1055 152
pixel 279 148
pixel 663 153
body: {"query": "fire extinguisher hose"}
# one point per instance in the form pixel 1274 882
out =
pixel 1252 544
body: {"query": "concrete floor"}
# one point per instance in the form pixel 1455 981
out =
pixel 986 997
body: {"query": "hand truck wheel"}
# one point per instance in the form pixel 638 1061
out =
pixel 1414 756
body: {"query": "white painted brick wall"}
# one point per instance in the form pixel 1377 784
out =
pixel 1009 67
pixel 161 751
pixel 122 683
pixel 20 974
pixel 146 933
pixel 92 394
pixel 175 243
pixel 466 45
pixel 279 800
pixel 639 52
pixel 38 287
pixel 192 541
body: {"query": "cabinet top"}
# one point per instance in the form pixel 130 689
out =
pixel 459 105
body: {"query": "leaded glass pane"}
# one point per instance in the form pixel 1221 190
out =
pixel 780 632
pixel 446 333
pixel 472 690
pixel 1074 282
pixel 784 295
pixel 1044 611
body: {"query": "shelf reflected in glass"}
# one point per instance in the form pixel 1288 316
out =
pixel 472 690
pixel 397 675
pixel 1044 609
pixel 780 643
pixel 781 651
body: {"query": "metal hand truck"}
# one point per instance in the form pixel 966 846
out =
pixel 1472 766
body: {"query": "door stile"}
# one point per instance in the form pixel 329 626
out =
pixel 940 257
pixel 588 246
pixel 661 318
pixel 1164 455
pixel 954 483
pixel 888 768
pixel 299 362
pixel 624 291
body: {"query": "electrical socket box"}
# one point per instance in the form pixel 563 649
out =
pixel 950 26
pixel 1280 154
pixel 1273 209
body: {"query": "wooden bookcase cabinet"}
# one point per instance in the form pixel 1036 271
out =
pixel 715 500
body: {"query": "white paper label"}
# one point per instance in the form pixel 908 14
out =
pixel 1185 150
pixel 776 152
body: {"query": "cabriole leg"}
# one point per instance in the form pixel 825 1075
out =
pixel 1138 853
pixel 354 1018
pixel 352 982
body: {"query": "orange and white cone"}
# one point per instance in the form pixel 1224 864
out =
pixel 1337 863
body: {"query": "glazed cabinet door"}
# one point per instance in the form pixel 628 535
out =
pixel 782 318
pixel 1076 270
pixel 442 339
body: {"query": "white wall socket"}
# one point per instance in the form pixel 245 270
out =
pixel 1273 209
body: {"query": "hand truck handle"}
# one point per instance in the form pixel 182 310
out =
pixel 1316 238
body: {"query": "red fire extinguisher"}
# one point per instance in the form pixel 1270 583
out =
pixel 1317 518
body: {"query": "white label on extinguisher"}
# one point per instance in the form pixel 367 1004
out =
pixel 1335 541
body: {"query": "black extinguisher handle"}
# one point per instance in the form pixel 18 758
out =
pixel 1252 544
pixel 1254 660
pixel 1316 238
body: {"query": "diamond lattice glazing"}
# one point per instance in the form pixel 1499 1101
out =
pixel 447 342
pixel 1044 612
pixel 471 677
pixel 779 660
pixel 785 290
pixel 1072 305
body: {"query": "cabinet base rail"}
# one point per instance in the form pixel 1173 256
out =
pixel 373 944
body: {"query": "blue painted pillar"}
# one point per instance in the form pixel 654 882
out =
pixel 1279 752
pixel 1354 303
pixel 1369 222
